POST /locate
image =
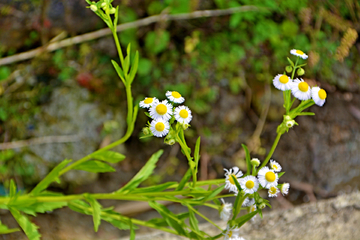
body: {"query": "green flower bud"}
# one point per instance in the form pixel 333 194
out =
pixel 146 131
pixel 170 141
pixel 262 205
pixel 93 8
pixel 255 162
pixel 288 69
pixel 185 126
pixel 300 71
pixel 103 4
pixel 287 118
pixel 290 124
pixel 112 11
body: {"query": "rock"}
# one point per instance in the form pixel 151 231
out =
pixel 71 112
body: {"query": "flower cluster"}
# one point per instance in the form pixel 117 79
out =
pixel 299 88
pixel 163 113
pixel 267 178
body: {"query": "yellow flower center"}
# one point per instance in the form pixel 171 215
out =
pixel 176 94
pixel 303 86
pixel 322 94
pixel 272 190
pixel 148 100
pixel 249 184
pixel 159 127
pixel 231 179
pixel 270 176
pixel 183 113
pixel 283 79
pixel 229 234
pixel 274 167
pixel 161 109
pixel 299 52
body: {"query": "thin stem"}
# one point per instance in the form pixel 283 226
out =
pixel 118 47
pixel 185 150
pixel 276 141
pixel 204 217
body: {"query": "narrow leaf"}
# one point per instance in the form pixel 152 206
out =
pixel 214 193
pixel 248 160
pixel 94 166
pixel 291 62
pixel 194 223
pixel 29 228
pixel 184 180
pixel 5 230
pixel 197 154
pixel 96 210
pixel 243 219
pixel 119 71
pixel 12 189
pixel 108 156
pixel 144 172
pixel 126 65
pixel 132 232
pixel 51 177
pixel 116 16
pixel 134 67
pixel 157 188
pixel 113 217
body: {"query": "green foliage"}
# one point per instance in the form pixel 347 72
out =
pixel 94 166
pixel 26 225
pixel 96 211
pixel 5 230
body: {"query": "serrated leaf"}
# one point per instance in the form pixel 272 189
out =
pixel 119 71
pixel 248 160
pixel 144 172
pixel 5 230
pixel 108 156
pixel 42 207
pixel 80 207
pixel 29 228
pixel 51 177
pixel 96 210
pixel 94 166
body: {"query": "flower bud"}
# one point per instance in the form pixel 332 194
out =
pixel 262 205
pixel 103 4
pixel 287 118
pixel 255 162
pixel 288 69
pixel 93 8
pixel 170 141
pixel 290 124
pixel 300 71
pixel 112 11
pixel 146 131
pixel 185 126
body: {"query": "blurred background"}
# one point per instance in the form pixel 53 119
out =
pixel 69 102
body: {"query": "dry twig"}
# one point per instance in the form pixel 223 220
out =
pixel 104 32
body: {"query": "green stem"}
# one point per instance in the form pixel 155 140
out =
pixel 276 141
pixel 118 47
pixel 204 217
pixel 185 150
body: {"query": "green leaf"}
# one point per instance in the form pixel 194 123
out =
pixel 291 62
pixel 306 114
pixel 194 223
pixel 116 16
pixel 243 219
pixel 112 217
pixel 134 67
pixel 12 189
pixel 119 71
pixel 108 156
pixel 51 177
pixel 177 224
pixel 126 65
pixel 41 207
pixel 5 230
pixel 28 227
pixel 280 174
pixel 184 180
pixel 143 174
pixel 197 154
pixel 80 206
pixel 96 207
pixel 95 166
pixel 248 160
pixel 214 193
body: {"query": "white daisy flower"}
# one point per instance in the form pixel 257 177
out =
pixel 285 188
pixel 267 178
pixel 301 89
pixel 230 184
pixel 147 102
pixel 183 114
pixel 161 110
pixel 299 53
pixel 318 95
pixel 231 233
pixel 273 191
pixel 248 202
pixel 275 166
pixel 159 127
pixel 250 184
pixel 175 97
pixel 226 210
pixel 282 82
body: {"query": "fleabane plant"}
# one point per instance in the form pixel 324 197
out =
pixel 169 118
